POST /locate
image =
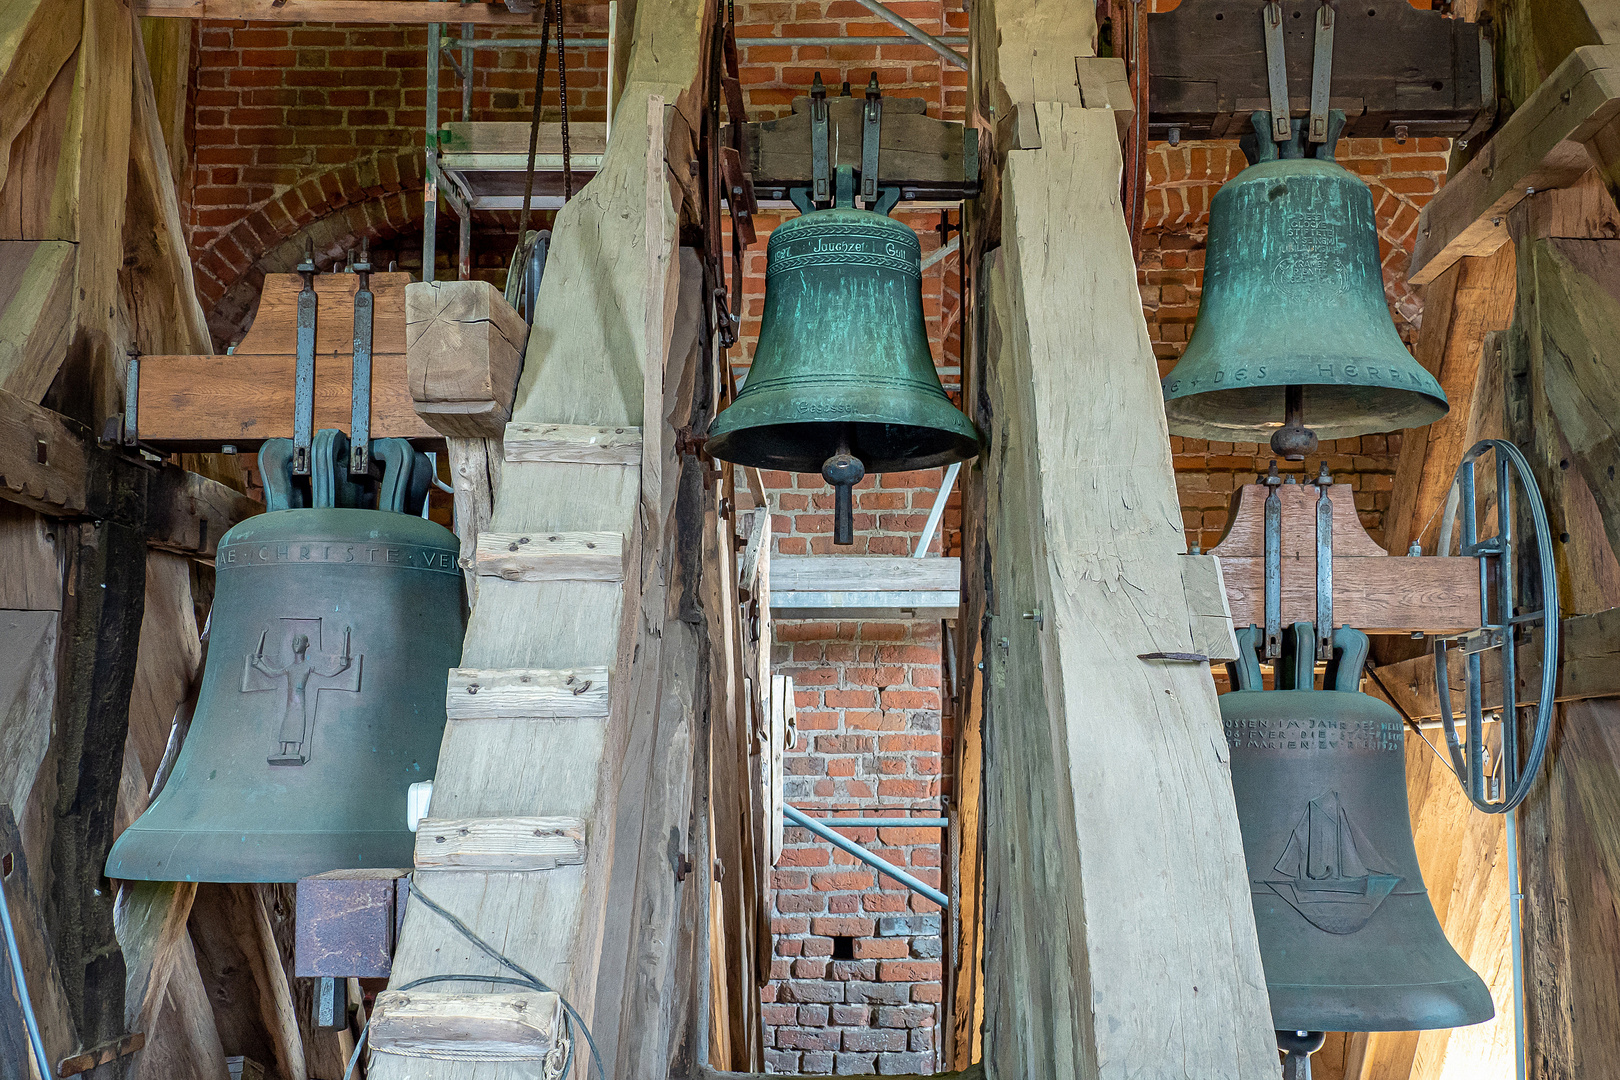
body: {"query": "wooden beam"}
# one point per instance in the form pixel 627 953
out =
pixel 513 693
pixel 36 302
pixel 593 556
pixel 246 981
pixel 864 573
pixel 463 350
pixel 1376 594
pixel 200 402
pixel 1588 667
pixel 506 1027
pixel 1469 300
pixel 360 12
pixel 501 845
pixel 581 445
pixel 1087 970
pixel 37 39
pixel 1544 144
pixel 52 1007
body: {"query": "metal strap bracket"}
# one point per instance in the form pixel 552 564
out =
pixel 1273 582
pixel 871 128
pixel 1277 78
pixel 360 385
pixel 1324 565
pixel 1322 75
pixel 820 122
pixel 304 373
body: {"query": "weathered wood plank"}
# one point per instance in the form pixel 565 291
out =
pixel 463 351
pixel 576 694
pixel 1542 145
pixel 27 692
pixel 31 553
pixel 864 573
pixel 36 301
pixel 576 443
pixel 38 39
pixel 520 1026
pixel 1208 609
pixel 361 12
pixel 576 556
pixel 52 1006
pixel 500 845
pixel 44 462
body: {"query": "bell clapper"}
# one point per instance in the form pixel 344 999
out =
pixel 1293 440
pixel 1297 1048
pixel 843 471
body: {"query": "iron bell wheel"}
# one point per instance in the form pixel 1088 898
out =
pixel 1293 300
pixel 322 701
pixel 1348 938
pixel 842 381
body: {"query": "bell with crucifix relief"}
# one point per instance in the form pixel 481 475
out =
pixel 337 616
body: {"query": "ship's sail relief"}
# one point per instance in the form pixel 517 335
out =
pixel 1329 871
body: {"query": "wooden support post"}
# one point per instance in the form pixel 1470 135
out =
pixel 613 249
pixel 1118 943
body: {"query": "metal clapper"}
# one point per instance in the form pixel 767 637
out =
pixel 304 374
pixel 360 390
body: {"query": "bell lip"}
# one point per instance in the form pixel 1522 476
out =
pixel 139 854
pixel 1420 409
pixel 1440 1004
pixel 732 445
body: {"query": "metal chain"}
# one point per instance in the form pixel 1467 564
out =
pixel 562 100
pixel 534 138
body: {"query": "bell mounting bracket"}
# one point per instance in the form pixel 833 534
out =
pixel 831 187
pixel 304 374
pixel 1499 630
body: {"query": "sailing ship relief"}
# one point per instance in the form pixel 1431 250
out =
pixel 1329 871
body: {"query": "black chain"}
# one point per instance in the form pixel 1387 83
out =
pixel 534 133
pixel 562 100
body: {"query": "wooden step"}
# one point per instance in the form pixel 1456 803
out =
pixel 561 556
pixel 500 844
pixel 523 1025
pixel 573 443
pixel 527 694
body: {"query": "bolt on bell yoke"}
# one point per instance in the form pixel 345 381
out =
pixel 1294 340
pixel 842 381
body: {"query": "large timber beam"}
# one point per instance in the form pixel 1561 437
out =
pixel 618 318
pixel 1117 943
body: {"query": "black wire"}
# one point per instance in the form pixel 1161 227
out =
pixel 534 135
pixel 527 979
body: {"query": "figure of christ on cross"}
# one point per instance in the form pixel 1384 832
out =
pixel 304 680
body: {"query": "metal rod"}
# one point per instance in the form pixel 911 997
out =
pixel 430 149
pixel 466 71
pixel 1321 73
pixel 304 372
pixel 1277 72
pixel 360 370
pixel 1515 945
pixel 849 847
pixel 1506 601
pixel 1273 565
pixel 30 1021
pixel 1324 566
pixel 938 511
pixel 502 44
pixel 451 43
pixel 914 31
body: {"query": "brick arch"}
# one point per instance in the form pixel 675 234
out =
pixel 374 199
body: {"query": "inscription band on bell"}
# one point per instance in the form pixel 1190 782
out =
pixel 398 556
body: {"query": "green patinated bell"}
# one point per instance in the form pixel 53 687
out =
pixel 1348 938
pixel 333 630
pixel 1293 296
pixel 842 381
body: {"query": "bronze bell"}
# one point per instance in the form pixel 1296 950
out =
pixel 337 616
pixel 1294 340
pixel 1348 938
pixel 842 381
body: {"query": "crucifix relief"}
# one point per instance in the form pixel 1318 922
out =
pixel 301 678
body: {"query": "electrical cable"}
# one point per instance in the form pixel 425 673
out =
pixel 526 979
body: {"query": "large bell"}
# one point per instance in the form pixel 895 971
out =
pixel 1293 329
pixel 842 381
pixel 322 700
pixel 1348 938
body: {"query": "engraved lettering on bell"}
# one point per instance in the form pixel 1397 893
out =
pixel 1311 252
pixel 1329 871
pixel 301 678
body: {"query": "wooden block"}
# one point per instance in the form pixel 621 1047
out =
pixel 517 1026
pixel 44 463
pixel 1104 85
pixel 581 694
pixel 1377 594
pixel 1246 535
pixel 1207 608
pixel 1542 145
pixel 500 844
pixel 463 351
pixel 573 443
pixel 864 573
pixel 572 556
pixel 510 138
pixel 200 402
pixel 916 149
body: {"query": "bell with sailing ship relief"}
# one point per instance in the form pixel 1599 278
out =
pixel 1348 938
pixel 1294 340
pixel 337 616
